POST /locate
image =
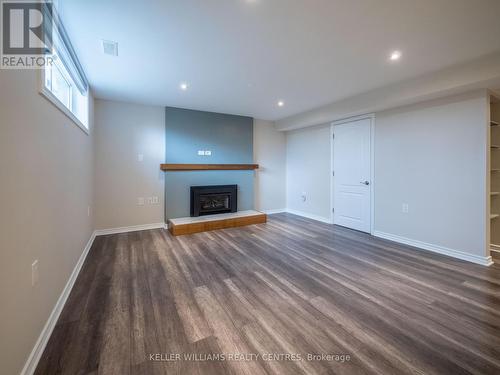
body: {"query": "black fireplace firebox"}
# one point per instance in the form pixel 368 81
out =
pixel 211 200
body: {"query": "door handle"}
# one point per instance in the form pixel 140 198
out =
pixel 365 182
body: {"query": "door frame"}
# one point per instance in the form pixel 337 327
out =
pixel 370 117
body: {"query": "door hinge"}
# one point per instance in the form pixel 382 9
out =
pixel 333 135
pixel 333 173
pixel 333 209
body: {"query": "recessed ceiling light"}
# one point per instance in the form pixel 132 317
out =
pixel 281 103
pixel 395 55
pixel 183 86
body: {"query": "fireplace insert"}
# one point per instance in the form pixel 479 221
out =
pixel 211 200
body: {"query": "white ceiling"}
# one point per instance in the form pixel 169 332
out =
pixel 242 56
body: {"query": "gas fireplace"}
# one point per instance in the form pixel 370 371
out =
pixel 211 200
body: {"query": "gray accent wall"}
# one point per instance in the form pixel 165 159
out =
pixel 230 140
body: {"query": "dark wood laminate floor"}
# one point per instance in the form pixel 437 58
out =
pixel 289 287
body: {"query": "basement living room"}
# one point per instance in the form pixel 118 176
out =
pixel 250 187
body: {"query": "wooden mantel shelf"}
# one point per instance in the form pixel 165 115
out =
pixel 208 167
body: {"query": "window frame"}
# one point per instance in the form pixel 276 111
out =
pixel 44 91
pixel 66 48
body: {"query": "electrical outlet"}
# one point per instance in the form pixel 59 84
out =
pixel 405 208
pixel 34 273
pixel 201 153
pixel 208 153
pixel 149 200
pixel 140 201
pixel 140 157
pixel 156 200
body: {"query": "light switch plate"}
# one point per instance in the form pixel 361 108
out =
pixel 208 153
pixel 201 153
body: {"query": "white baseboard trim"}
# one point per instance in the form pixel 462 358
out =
pixel 310 216
pixel 484 261
pixel 134 228
pixel 275 211
pixel 34 357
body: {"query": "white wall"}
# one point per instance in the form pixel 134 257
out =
pixel 308 168
pixel 433 157
pixel 123 131
pixel 46 173
pixel 269 151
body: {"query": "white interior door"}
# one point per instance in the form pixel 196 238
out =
pixel 352 175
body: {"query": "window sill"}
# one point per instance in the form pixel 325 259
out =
pixel 52 98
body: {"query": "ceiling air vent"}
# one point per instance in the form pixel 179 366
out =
pixel 109 47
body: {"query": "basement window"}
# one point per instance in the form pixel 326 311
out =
pixel 63 82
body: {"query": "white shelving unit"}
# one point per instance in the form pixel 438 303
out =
pixel 495 172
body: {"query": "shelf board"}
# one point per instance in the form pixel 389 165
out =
pixel 494 216
pixel 495 170
pixel 495 146
pixel 494 123
pixel 208 167
pixel 494 193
